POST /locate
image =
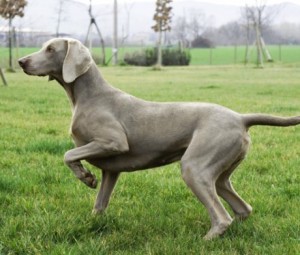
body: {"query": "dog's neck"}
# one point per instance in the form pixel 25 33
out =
pixel 84 88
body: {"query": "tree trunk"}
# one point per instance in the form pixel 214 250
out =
pixel 260 62
pixel 3 77
pixel 10 43
pixel 159 51
pixel 247 43
pixel 102 43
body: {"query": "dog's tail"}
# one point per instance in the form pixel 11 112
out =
pixel 269 120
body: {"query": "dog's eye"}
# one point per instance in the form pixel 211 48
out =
pixel 50 49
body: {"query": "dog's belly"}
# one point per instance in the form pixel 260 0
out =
pixel 131 162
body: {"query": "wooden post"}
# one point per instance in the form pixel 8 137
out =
pixel 279 52
pixel 260 62
pixel 3 78
pixel 247 54
pixel 10 44
pixel 235 54
pixel 266 51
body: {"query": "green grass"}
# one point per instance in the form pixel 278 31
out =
pixel 46 210
pixel 232 55
pixel 216 56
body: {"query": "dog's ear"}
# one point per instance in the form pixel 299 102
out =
pixel 77 61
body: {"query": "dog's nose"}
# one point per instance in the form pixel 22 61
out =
pixel 22 62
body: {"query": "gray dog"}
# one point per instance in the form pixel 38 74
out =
pixel 117 132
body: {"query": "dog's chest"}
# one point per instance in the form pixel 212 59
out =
pixel 79 130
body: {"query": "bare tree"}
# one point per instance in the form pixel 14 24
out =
pixel 231 33
pixel 255 16
pixel 258 17
pixel 197 23
pixel 190 27
pixel 9 9
pixel 126 27
pixel 180 30
pixel 93 22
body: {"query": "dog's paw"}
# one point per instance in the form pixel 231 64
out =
pixel 97 212
pixel 217 230
pixel 89 179
pixel 243 215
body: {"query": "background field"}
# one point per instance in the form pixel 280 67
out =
pixel 285 54
pixel 46 210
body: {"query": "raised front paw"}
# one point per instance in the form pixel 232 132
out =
pixel 89 179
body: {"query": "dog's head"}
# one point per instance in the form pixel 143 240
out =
pixel 64 57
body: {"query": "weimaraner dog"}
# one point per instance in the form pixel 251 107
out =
pixel 117 132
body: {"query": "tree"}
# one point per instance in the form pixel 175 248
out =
pixel 197 23
pixel 9 9
pixel 254 15
pixel 257 18
pixel 201 42
pixel 126 25
pixel 93 22
pixel 180 30
pixel 189 28
pixel 162 17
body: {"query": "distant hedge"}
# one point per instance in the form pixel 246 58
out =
pixel 148 57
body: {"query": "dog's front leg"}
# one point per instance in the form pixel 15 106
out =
pixel 108 183
pixel 94 149
pixel 83 174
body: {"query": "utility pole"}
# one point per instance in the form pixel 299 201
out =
pixel 115 37
pixel 59 12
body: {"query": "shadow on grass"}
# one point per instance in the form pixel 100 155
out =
pixel 81 229
pixel 8 186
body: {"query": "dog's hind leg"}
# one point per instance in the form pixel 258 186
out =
pixel 206 158
pixel 202 184
pixel 241 209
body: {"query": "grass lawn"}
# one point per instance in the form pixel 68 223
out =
pixel 46 210
pixel 287 54
pixel 236 55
